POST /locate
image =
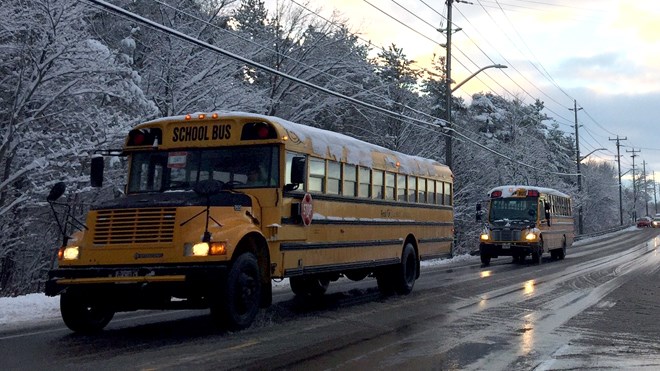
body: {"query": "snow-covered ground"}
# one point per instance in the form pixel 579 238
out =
pixel 39 307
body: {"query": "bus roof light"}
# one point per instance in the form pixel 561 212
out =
pixel 496 194
pixel 144 137
pixel 258 131
pixel 533 193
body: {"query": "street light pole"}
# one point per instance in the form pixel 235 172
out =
pixel 449 134
pixel 589 154
pixel 448 82
pixel 618 159
pixel 577 159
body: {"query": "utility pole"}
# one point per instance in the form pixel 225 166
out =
pixel 655 200
pixel 448 137
pixel 646 189
pixel 634 183
pixel 618 159
pixel 577 160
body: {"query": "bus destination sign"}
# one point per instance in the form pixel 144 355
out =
pixel 201 133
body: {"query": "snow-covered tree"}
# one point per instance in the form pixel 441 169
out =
pixel 63 94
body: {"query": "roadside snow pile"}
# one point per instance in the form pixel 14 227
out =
pixel 455 259
pixel 32 307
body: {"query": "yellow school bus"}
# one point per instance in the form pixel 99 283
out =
pixel 524 220
pixel 217 205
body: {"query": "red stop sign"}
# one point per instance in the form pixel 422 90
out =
pixel 306 209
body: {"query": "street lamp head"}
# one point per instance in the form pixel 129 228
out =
pixel 500 66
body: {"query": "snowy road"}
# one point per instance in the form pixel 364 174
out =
pixel 597 309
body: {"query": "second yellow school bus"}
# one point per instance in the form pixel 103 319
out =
pixel 217 205
pixel 525 220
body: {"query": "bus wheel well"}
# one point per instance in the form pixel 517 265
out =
pixel 256 244
pixel 410 239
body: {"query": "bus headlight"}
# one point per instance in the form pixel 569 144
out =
pixel 69 253
pixel 484 237
pixel 205 248
pixel 531 236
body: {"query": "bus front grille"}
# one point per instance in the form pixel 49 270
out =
pixel 126 226
pixel 506 235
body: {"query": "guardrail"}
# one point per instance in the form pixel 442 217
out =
pixel 600 233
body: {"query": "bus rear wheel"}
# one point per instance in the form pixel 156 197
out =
pixel 83 315
pixel 399 278
pixel 237 308
pixel 406 273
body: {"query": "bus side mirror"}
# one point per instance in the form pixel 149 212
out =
pixel 479 212
pixel 298 167
pixel 96 173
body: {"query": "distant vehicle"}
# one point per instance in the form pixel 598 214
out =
pixel 646 222
pixel 523 220
pixel 656 221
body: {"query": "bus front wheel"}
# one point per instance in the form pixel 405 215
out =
pixel 83 315
pixel 485 259
pixel 237 308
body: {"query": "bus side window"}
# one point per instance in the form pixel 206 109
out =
pixel 377 184
pixel 334 177
pixel 316 175
pixel 421 190
pixel 390 185
pixel 364 187
pixel 350 180
pixel 401 187
pixel 412 189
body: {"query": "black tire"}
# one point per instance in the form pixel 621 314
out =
pixel 515 259
pixel 237 308
pixel 485 259
pixel 83 315
pixel 314 286
pixel 537 254
pixel 384 279
pixel 356 275
pixel 317 286
pixel 561 253
pixel 298 285
pixel 407 272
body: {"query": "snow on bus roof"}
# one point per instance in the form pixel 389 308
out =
pixel 335 144
pixel 508 190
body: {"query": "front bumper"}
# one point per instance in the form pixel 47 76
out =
pixel 144 287
pixel 495 250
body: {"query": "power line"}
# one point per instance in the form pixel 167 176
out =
pixel 437 124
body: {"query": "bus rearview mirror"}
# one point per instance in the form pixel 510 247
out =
pixel 298 166
pixel 96 173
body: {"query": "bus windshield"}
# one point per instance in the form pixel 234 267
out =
pixel 513 209
pixel 239 167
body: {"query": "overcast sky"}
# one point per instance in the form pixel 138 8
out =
pixel 605 54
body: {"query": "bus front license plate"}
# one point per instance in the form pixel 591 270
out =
pixel 506 246
pixel 126 273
